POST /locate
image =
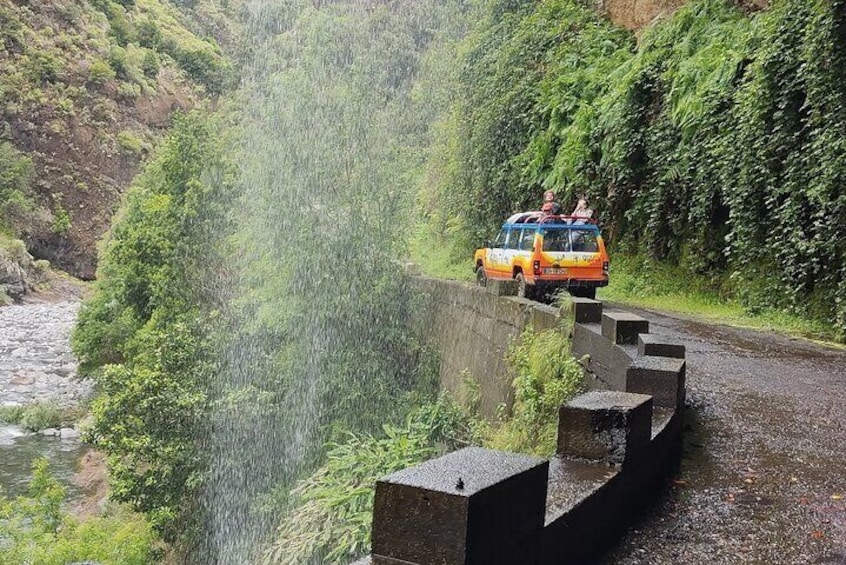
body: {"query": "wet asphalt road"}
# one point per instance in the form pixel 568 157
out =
pixel 763 475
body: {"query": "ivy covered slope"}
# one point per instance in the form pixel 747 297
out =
pixel 714 142
pixel 85 90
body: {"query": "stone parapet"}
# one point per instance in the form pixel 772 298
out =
pixel 648 344
pixel 622 328
pixel 604 426
pixel 471 507
pixel 616 445
pixel 661 377
pixel 586 311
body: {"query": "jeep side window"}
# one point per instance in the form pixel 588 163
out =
pixel 556 240
pixel 513 239
pixel 584 241
pixel 527 240
pixel 501 237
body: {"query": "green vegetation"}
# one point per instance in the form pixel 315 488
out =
pixel 712 145
pixel 647 283
pixel 333 508
pixel 130 144
pixel 547 376
pixel 35 529
pixel 16 203
pixel 147 333
pixel 39 416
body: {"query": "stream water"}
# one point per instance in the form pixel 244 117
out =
pixel 18 450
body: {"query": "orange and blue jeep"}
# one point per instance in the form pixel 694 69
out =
pixel 544 253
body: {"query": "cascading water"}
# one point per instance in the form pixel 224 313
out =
pixel 317 339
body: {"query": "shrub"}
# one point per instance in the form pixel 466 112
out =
pixel 331 513
pixel 61 220
pixel 41 415
pixel 11 414
pixel 205 67
pixel 129 143
pixel 100 73
pixel 34 529
pixel 43 66
pixel 150 64
pixel 149 34
pixel 547 376
pixel 118 61
pixel 17 207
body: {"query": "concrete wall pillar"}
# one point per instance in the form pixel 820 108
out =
pixel 470 507
pixel 604 426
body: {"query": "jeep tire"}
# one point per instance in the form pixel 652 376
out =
pixel 524 289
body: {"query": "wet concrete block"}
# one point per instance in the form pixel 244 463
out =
pixel 586 311
pixel 648 344
pixel 471 507
pixel 663 378
pixel 623 327
pixel 501 288
pixel 545 317
pixel 604 426
pixel 608 362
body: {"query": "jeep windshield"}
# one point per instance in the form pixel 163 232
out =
pixel 566 239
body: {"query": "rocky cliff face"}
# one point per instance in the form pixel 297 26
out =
pixel 19 273
pixel 636 14
pixel 86 88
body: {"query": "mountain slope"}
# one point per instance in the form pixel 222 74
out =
pixel 86 89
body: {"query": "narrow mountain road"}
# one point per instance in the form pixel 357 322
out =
pixel 763 476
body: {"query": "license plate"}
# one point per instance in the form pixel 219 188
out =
pixel 554 271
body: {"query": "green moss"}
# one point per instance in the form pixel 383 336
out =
pixel 100 72
pixel 61 220
pixel 129 143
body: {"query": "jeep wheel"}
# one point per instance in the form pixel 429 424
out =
pixel 524 290
pixel 481 276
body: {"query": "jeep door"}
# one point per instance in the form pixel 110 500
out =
pixel 498 265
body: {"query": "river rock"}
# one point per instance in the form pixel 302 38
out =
pixel 50 432
pixel 69 433
pixel 15 266
pixel 22 379
pixel 36 363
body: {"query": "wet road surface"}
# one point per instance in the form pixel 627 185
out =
pixel 763 475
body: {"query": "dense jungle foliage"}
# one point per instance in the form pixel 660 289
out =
pixel 146 336
pixel 713 143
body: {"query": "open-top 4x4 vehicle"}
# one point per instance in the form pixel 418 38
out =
pixel 544 253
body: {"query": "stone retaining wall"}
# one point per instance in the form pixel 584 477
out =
pixel 471 328
pixel 616 446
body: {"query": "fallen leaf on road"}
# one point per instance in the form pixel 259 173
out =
pixel 680 482
pixel 817 535
pixel 836 497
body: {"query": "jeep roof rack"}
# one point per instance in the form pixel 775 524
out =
pixel 538 217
